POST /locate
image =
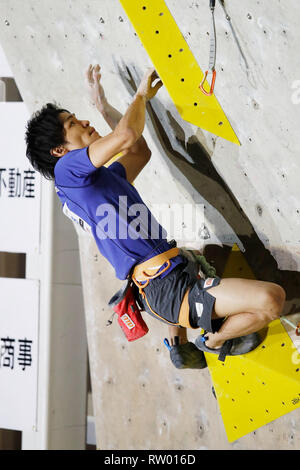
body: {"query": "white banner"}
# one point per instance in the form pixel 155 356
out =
pixel 19 316
pixel 19 184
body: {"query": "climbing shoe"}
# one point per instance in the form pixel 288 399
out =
pixel 186 356
pixel 231 347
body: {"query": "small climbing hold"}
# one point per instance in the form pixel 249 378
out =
pixel 259 210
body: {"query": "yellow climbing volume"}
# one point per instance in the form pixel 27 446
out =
pixel 177 66
pixel 259 387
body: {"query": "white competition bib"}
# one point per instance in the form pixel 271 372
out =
pixel 86 227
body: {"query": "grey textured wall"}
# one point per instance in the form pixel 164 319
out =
pixel 251 193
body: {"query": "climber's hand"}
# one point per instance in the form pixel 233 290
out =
pixel 145 88
pixel 96 90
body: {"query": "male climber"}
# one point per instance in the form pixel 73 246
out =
pixel 62 147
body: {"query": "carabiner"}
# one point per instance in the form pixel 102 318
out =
pixel 212 54
pixel 212 86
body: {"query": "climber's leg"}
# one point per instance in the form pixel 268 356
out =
pixel 249 305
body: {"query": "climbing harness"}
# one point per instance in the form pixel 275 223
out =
pixel 212 53
pixel 150 269
pixel 128 307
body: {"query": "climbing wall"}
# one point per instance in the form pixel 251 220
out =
pixel 250 192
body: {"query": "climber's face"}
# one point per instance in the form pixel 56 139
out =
pixel 78 134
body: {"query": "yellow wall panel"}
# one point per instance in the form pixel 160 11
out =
pixel 177 66
pixel 258 387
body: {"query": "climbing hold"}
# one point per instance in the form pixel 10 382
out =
pixel 161 37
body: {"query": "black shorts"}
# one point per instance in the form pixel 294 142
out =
pixel 165 296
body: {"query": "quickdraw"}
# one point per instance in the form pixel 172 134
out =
pixel 297 327
pixel 213 48
pixel 212 53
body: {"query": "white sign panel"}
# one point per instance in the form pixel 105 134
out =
pixel 18 353
pixel 19 184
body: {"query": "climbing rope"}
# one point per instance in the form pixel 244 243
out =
pixel 234 34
